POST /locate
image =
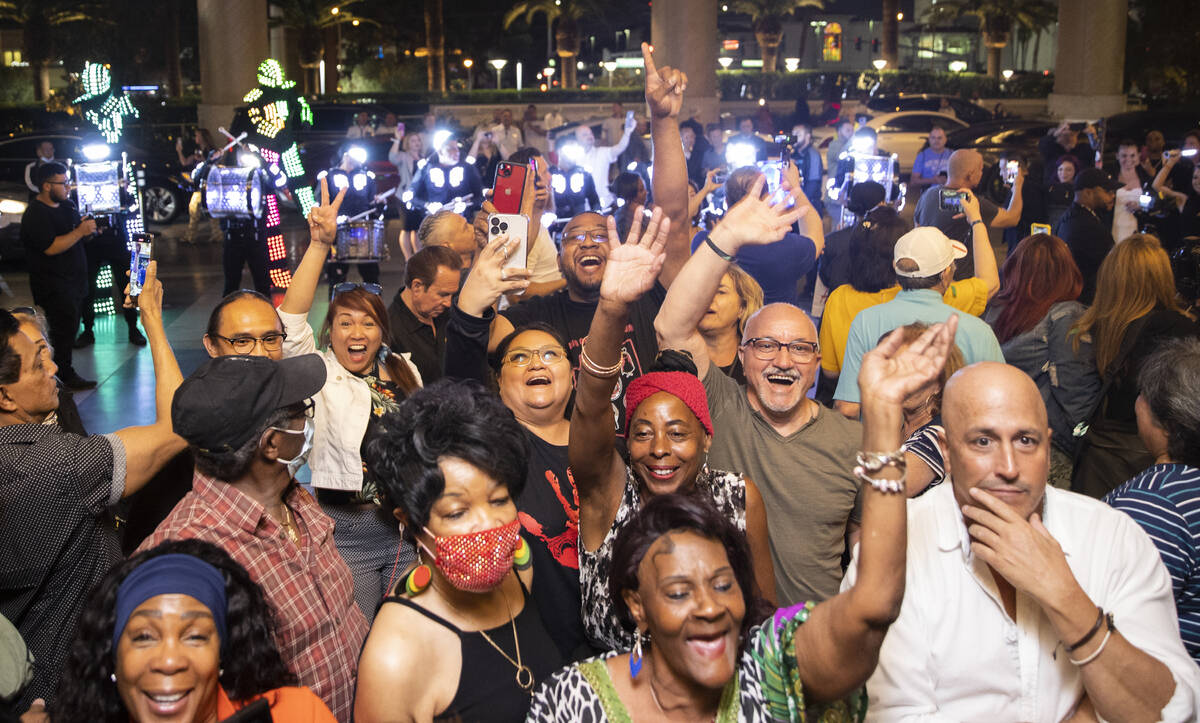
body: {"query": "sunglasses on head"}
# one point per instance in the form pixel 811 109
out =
pixel 368 287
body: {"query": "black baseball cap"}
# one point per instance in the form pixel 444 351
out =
pixel 229 398
pixel 1095 178
pixel 865 196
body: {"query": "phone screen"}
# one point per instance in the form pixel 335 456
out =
pixel 950 200
pixel 1036 228
pixel 1010 172
pixel 139 259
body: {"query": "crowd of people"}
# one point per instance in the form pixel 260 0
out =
pixel 632 478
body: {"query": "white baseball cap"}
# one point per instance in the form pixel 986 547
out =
pixel 931 249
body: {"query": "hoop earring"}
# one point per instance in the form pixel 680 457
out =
pixel 113 677
pixel 635 657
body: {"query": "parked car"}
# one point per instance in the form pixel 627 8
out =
pixel 904 133
pixel 13 200
pixel 164 191
pixel 965 110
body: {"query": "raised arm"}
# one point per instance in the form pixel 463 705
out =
pixel 322 232
pixel 838 647
pixel 664 96
pixel 811 220
pixel 1011 216
pixel 149 447
pixel 622 144
pixel 751 221
pixel 697 201
pixel 981 246
pixel 467 331
pixel 630 271
pixel 1160 181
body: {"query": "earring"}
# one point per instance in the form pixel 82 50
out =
pixel 220 672
pixel 113 677
pixel 418 580
pixel 635 657
pixel 524 557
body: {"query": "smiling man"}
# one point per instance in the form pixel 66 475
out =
pixel 1025 602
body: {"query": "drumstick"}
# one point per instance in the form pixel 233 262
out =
pixel 232 141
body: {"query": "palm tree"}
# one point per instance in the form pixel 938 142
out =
pixel 568 13
pixel 38 20
pixel 891 34
pixel 997 18
pixel 310 19
pixel 766 17
pixel 435 45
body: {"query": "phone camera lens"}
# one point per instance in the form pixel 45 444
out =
pixel 503 227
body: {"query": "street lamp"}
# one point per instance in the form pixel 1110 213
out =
pixel 1007 73
pixel 609 67
pixel 792 64
pixel 468 64
pixel 725 61
pixel 334 11
pixel 879 63
pixel 958 66
pixel 498 64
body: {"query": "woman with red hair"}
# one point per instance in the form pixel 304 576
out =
pixel 1032 316
pixel 668 433
pixel 365 381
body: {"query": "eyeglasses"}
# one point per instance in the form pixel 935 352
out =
pixel 766 348
pixel 351 286
pixel 243 345
pixel 308 413
pixel 600 237
pixel 522 357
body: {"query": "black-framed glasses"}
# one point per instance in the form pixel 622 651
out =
pixel 243 345
pixel 766 348
pixel 522 357
pixel 366 286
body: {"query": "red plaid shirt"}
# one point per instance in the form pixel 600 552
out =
pixel 320 629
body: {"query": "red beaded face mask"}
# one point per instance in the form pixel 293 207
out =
pixel 477 561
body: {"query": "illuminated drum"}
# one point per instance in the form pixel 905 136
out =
pixel 98 187
pixel 233 192
pixel 361 242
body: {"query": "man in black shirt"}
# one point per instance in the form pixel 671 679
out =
pixel 431 280
pixel 1087 234
pixel 50 232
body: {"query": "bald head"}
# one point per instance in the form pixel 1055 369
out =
pixel 966 168
pixel 779 313
pixel 997 435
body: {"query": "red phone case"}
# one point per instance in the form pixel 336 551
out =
pixel 509 187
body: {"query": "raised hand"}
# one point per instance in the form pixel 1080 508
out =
pixel 664 87
pixel 633 267
pixel 149 302
pixel 754 220
pixel 322 220
pixel 489 280
pixel 891 371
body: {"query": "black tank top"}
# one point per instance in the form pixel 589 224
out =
pixel 487 684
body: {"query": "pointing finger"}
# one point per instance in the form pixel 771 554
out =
pixel 648 60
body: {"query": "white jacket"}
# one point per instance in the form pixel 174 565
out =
pixel 342 409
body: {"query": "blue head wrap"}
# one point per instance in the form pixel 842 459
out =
pixel 172 574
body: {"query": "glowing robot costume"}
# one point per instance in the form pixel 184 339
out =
pixel 574 192
pixel 437 185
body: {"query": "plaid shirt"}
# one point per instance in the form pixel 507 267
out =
pixel 320 629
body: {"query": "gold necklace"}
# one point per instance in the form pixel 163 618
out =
pixel 289 525
pixel 524 675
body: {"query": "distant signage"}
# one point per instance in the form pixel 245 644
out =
pixel 730 44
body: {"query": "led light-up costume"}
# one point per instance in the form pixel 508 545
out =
pixel 445 180
pixel 574 188
pixel 276 110
pixel 360 239
pixel 863 161
pixel 110 190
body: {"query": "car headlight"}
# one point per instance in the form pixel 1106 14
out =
pixel 13 206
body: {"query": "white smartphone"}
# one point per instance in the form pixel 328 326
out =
pixel 516 227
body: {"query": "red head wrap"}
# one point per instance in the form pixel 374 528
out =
pixel 682 385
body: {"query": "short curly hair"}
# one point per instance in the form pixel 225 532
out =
pixel 446 419
pixel 86 693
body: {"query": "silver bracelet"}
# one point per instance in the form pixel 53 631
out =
pixel 870 462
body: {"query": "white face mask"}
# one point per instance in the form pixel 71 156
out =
pixel 295 463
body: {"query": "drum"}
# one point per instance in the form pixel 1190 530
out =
pixel 98 187
pixel 361 242
pixel 233 192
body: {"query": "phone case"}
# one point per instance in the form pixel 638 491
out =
pixel 509 187
pixel 515 226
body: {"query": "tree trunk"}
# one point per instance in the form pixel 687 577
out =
pixel 994 42
pixel 435 41
pixel 1037 49
pixel 36 49
pixel 890 48
pixel 768 45
pixel 333 54
pixel 566 40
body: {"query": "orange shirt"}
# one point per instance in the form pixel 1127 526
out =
pixel 294 705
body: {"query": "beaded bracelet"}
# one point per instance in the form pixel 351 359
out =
pixel 869 462
pixel 591 367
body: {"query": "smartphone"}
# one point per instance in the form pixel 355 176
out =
pixel 139 259
pixel 508 187
pixel 773 170
pixel 400 129
pixel 1188 152
pixel 720 176
pixel 628 116
pixel 515 226
pixel 1010 172
pixel 950 199
pixel 1145 201
pixel 1036 228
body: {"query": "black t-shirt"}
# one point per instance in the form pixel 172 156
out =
pixel 40 225
pixel 549 512
pixel 1090 240
pixel 573 319
pixel 1160 325
pixel 929 213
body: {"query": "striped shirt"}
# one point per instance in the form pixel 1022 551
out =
pixel 1165 501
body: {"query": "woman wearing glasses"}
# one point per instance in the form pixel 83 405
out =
pixel 533 376
pixel 668 432
pixel 365 380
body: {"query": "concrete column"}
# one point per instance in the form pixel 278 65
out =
pixel 285 48
pixel 684 35
pixel 1089 68
pixel 233 41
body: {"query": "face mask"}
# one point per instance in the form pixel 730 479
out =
pixel 295 463
pixel 477 561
